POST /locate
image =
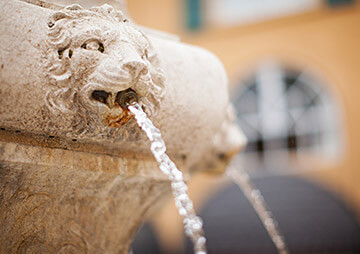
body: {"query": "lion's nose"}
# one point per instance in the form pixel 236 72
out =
pixel 136 68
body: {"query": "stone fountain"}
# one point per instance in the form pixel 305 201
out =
pixel 76 173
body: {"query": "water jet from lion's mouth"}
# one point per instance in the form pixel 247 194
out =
pixel 193 224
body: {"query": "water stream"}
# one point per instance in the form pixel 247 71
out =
pixel 253 194
pixel 192 223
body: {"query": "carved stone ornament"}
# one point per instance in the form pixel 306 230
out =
pixel 95 54
pixel 76 174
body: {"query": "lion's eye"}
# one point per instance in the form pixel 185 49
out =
pixel 101 48
pixel 93 45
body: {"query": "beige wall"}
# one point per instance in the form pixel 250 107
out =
pixel 327 41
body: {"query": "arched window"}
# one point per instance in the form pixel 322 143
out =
pixel 286 114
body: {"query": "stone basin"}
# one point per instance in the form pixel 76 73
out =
pixel 76 174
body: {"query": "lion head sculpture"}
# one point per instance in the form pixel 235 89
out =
pixel 95 55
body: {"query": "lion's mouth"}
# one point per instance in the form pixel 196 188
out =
pixel 118 113
pixel 118 120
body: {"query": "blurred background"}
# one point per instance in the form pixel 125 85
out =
pixel 294 78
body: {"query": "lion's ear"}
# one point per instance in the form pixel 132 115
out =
pixel 66 13
pixel 58 16
pixel 74 7
pixel 109 11
pixel 120 16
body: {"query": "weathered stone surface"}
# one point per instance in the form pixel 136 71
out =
pixel 47 78
pixel 58 201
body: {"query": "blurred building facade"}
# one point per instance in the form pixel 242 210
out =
pixel 316 39
pixel 303 55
